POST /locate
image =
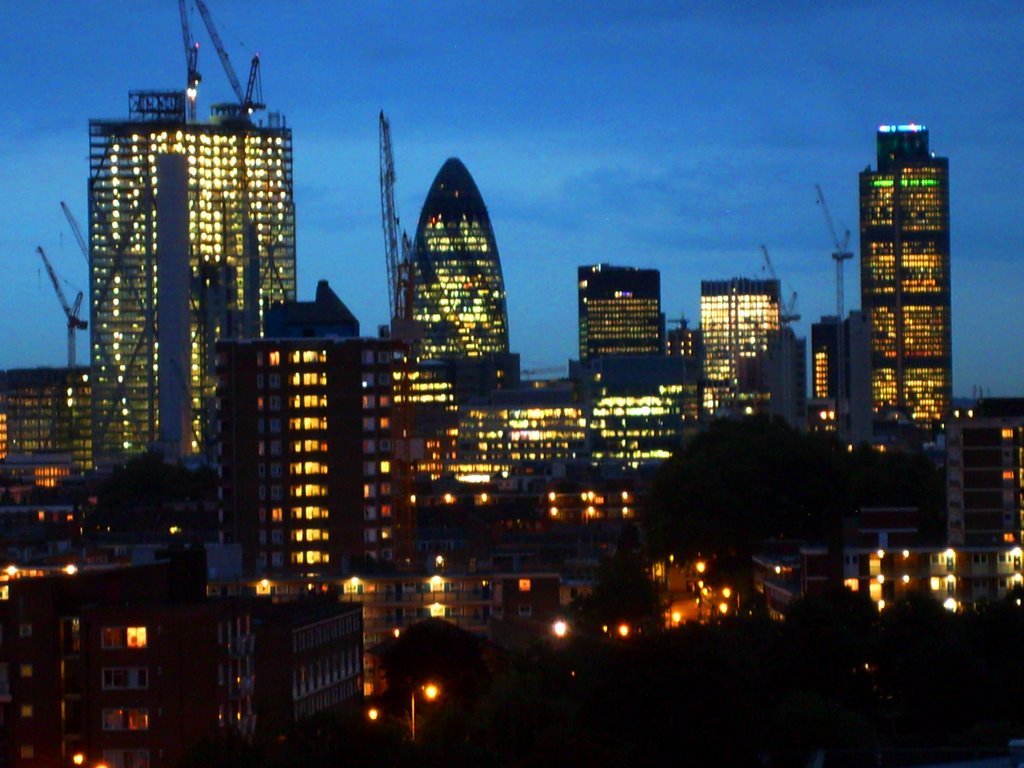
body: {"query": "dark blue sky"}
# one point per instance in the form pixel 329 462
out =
pixel 677 137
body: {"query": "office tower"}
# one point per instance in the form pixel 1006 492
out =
pixel 985 475
pixel 737 317
pixel 47 411
pixel 851 418
pixel 224 250
pixel 526 430
pixel 619 311
pixel 639 407
pixel 459 294
pixel 307 446
pixel 786 377
pixel 904 274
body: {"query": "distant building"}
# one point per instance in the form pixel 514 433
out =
pixel 683 341
pixel 224 248
pixel 737 319
pixel 459 291
pixel 786 377
pixel 985 473
pixel 905 274
pixel 326 315
pixel 639 408
pixel 852 415
pixel 46 410
pixel 513 429
pixel 619 311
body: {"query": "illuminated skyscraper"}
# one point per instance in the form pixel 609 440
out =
pixel 904 273
pixel 224 251
pixel 459 290
pixel 738 318
pixel 620 311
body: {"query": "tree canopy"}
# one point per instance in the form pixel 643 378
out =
pixel 742 482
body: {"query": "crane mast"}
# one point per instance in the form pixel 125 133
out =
pixel 193 77
pixel 388 215
pixel 839 255
pixel 397 252
pixel 70 312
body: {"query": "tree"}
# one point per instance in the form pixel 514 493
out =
pixel 742 482
pixel 623 593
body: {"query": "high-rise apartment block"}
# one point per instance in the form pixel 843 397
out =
pixel 985 474
pixel 619 311
pixel 207 208
pixel 738 317
pixel 904 274
pixel 307 448
pixel 459 291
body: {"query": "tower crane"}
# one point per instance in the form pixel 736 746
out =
pixel 839 255
pixel 70 312
pixel 400 299
pixel 75 230
pixel 398 252
pixel 788 314
pixel 250 99
pixel 191 61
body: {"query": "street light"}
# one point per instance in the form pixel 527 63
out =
pixel 560 628
pixel 431 692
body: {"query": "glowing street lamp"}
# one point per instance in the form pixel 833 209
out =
pixel 430 692
pixel 560 628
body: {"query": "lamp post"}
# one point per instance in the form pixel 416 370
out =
pixel 431 692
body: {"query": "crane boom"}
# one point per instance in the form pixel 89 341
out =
pixel 73 321
pixel 225 61
pixel 75 230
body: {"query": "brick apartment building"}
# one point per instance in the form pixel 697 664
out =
pixel 131 666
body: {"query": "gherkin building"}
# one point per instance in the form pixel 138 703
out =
pixel 459 296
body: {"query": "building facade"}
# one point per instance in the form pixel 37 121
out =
pixel 905 274
pixel 459 291
pixel 619 311
pixel 225 250
pixel 985 474
pixel 306 452
pixel 737 318
pixel 47 411
pixel 848 413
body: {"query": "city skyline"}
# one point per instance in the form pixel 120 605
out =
pixel 648 138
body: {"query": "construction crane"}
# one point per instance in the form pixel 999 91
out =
pixel 70 312
pixel 193 77
pixel 75 230
pixel 400 300
pixel 397 251
pixel 788 314
pixel 840 254
pixel 250 99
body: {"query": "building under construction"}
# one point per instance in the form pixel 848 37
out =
pixel 224 250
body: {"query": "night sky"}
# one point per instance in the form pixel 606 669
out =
pixel 634 134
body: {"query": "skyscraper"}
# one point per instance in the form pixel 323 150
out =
pixel 619 311
pixel 904 273
pixel 224 251
pixel 737 318
pixel 459 295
